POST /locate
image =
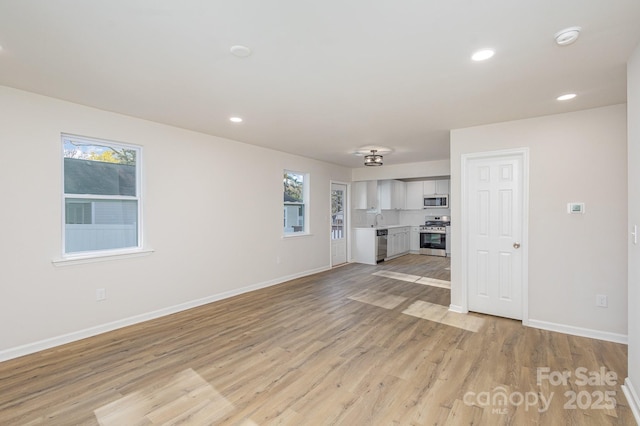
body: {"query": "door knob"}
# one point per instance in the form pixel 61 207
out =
pixel 516 245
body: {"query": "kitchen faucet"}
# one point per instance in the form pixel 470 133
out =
pixel 375 219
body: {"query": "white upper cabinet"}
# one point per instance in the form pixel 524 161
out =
pixel 372 195
pixel 440 187
pixel 429 187
pixel 393 194
pixel 365 195
pixel 400 193
pixel 418 189
pixel 415 192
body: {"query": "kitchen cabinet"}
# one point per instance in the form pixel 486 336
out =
pixel 431 187
pixel 448 241
pixel 365 195
pixel 364 245
pixel 360 200
pixel 392 194
pixel 405 241
pixel 392 243
pixel 395 194
pixel 428 187
pixel 398 241
pixel 414 242
pixel 442 186
pixel 364 249
pixel 418 189
pixel 415 192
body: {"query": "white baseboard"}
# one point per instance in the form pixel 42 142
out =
pixel 578 331
pixel 458 309
pixel 30 348
pixel 632 398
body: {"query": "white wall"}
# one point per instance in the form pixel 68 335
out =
pixel 436 168
pixel 633 123
pixel 212 212
pixel 574 157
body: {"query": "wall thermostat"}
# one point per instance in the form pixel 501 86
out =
pixel 575 208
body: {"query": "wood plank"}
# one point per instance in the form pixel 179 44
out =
pixel 308 352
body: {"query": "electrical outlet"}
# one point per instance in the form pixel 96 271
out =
pixel 601 300
pixel 101 294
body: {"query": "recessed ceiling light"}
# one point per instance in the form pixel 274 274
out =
pixel 240 51
pixel 567 36
pixel 483 55
pixel 235 120
pixel 566 97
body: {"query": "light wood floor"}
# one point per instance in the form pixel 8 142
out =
pixel 340 347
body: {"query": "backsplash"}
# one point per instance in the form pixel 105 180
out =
pixel 363 218
pixel 417 217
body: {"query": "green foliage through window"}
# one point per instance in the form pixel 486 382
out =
pixel 294 202
pixel 293 187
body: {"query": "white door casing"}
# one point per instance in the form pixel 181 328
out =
pixel 339 227
pixel 495 194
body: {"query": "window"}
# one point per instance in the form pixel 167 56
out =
pixel 101 195
pixel 337 211
pixel 295 197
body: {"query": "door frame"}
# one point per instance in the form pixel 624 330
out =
pixel 347 228
pixel 523 153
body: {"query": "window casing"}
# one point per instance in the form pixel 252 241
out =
pixel 101 196
pixel 295 203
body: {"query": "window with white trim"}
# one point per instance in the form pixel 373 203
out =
pixel 101 187
pixel 295 202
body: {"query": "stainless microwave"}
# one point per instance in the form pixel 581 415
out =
pixel 439 201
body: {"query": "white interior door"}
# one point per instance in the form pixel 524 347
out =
pixel 494 208
pixel 338 224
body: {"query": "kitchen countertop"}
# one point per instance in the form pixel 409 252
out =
pixel 384 227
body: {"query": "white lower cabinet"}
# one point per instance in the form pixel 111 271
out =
pixel 414 244
pixel 364 245
pixel 398 241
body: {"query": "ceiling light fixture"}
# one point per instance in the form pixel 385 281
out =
pixel 483 55
pixel 373 159
pixel 240 51
pixel 236 119
pixel 567 36
pixel 566 97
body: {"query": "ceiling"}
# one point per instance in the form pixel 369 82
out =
pixel 325 78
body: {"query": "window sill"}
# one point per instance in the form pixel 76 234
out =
pixel 296 235
pixel 103 257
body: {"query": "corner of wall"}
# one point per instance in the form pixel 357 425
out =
pixel 632 398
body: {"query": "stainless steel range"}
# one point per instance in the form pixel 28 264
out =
pixel 433 236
